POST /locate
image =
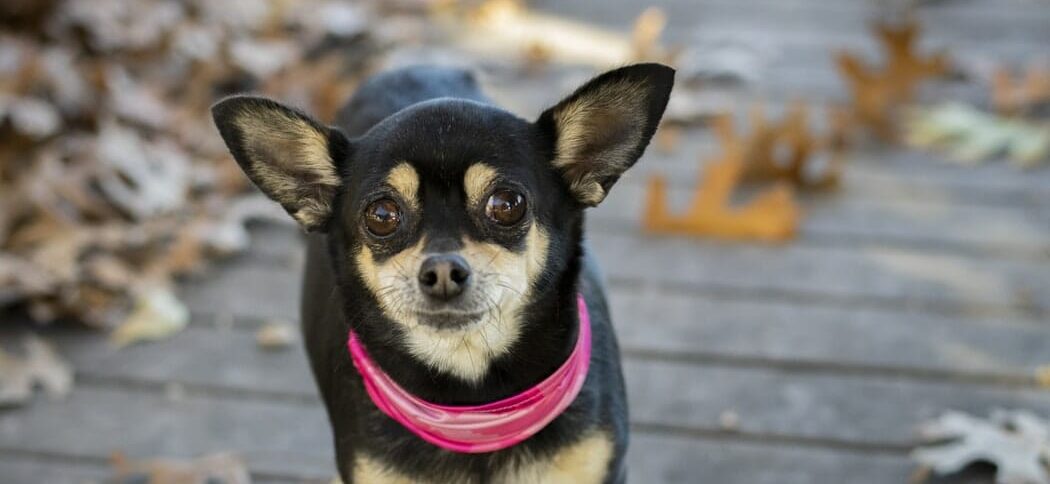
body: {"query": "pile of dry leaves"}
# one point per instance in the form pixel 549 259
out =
pixel 112 179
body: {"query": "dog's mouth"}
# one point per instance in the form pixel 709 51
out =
pixel 448 319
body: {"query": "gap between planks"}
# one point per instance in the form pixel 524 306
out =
pixel 823 298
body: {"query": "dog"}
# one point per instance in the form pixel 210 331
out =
pixel 456 326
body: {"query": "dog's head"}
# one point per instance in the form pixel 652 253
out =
pixel 452 214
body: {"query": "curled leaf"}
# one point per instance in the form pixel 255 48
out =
pixel 1017 442
pixel 222 468
pixel 275 335
pixel 157 315
pixel 38 365
pixel 969 135
pixel 772 215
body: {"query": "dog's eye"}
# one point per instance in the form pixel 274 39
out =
pixel 382 217
pixel 505 207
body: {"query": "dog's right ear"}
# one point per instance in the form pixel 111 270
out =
pixel 603 128
pixel 291 157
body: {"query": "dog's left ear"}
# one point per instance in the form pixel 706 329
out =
pixel 603 128
pixel 290 156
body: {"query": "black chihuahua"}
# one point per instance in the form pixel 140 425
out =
pixel 448 250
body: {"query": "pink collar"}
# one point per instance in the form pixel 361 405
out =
pixel 489 427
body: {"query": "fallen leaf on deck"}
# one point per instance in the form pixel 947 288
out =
pixel 790 151
pixel 498 28
pixel 969 135
pixel 772 215
pixel 1026 93
pixel 33 117
pixel 275 335
pixel 1042 376
pixel 1017 442
pixel 211 469
pixel 157 315
pixel 877 93
pixel 133 101
pixel 36 365
pixel 667 138
pixel 645 37
pixel 148 178
pixel 262 58
pixel 729 420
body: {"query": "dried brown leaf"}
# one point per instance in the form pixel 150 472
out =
pixel 225 468
pixel 877 93
pixel 275 335
pixel 158 314
pixel 38 365
pixel 772 215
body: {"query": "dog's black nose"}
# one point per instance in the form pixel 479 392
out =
pixel 444 276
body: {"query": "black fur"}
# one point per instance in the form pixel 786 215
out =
pixel 438 120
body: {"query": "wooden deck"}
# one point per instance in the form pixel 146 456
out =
pixel 922 286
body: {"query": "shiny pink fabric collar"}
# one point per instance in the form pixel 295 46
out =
pixel 480 428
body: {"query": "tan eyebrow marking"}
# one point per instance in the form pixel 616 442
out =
pixel 405 180
pixel 477 180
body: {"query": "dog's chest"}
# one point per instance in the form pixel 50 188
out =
pixel 584 462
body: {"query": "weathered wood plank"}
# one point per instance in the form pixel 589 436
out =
pixel 680 460
pixel 210 357
pixel 872 410
pixel 654 321
pixel 19 469
pixel 879 410
pixel 247 289
pixel 273 437
pixel 886 274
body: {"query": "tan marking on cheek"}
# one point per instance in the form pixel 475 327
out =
pixel 390 280
pixel 536 245
pixel 405 180
pixel 584 462
pixel 366 266
pixel 368 470
pixel 477 180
